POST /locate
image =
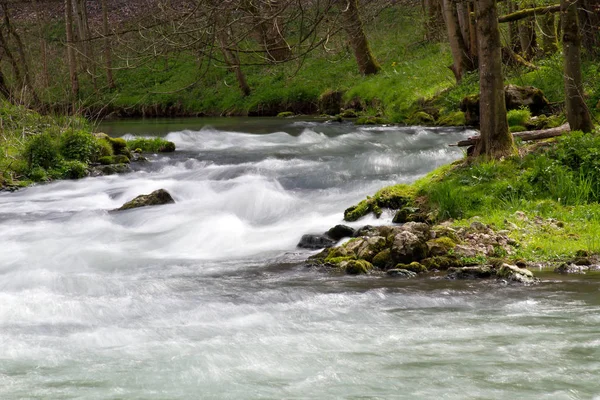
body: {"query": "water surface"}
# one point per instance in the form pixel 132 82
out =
pixel 208 298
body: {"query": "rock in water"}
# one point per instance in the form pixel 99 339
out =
pixel 339 232
pixel 156 198
pixel 315 242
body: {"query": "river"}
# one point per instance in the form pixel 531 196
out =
pixel 208 298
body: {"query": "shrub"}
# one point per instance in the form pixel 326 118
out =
pixel 42 151
pixel 518 117
pixel 38 174
pixel 73 170
pixel 79 146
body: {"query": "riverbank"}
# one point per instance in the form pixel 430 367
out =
pixel 37 148
pixel 542 202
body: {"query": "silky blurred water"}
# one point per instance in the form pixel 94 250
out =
pixel 208 298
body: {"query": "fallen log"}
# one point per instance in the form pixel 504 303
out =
pixel 525 135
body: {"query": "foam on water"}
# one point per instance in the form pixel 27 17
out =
pixel 203 298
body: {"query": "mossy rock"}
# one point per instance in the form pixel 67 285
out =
pixel 413 266
pixel 370 121
pixel 440 246
pixel 158 197
pixel 474 272
pixel 118 144
pixel 356 267
pixel 285 114
pixel 420 118
pixel 453 119
pixel 116 159
pixel 383 259
pixel 442 263
pixel 371 247
pixel 336 252
pixel 348 114
pixel 104 148
pixel 392 197
pixel 337 261
pixel 409 214
pixel 330 102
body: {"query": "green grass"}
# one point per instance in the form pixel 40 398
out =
pixel 556 187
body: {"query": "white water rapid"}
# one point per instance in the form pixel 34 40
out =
pixel 208 299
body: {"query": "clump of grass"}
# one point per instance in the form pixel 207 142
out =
pixel 518 118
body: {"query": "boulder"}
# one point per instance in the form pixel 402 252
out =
pixel 314 242
pixel 525 96
pixel 109 169
pixel 330 102
pixel 401 273
pixel 409 214
pixel 158 197
pixel 475 272
pixel 383 259
pixel 371 247
pixel 356 267
pixel 515 274
pixel 414 266
pixel 408 247
pixel 339 232
pixel 565 268
pixel 515 97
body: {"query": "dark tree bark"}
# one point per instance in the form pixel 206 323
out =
pixel 513 29
pixel 496 140
pixel 577 112
pixel 4 89
pixel 23 63
pixel 71 59
pixel 272 32
pixel 460 53
pixel 432 13
pixel 233 61
pixel 589 23
pixel 548 30
pixel 107 50
pixel 367 64
pixel 527 37
pixel 84 39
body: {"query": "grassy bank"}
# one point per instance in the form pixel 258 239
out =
pixel 41 148
pixel 547 197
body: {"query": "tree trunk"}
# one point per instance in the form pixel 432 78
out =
pixel 432 13
pixel 527 37
pixel 273 39
pixel 43 47
pixel 548 30
pixel 107 50
pixel 72 61
pixel 21 51
pixel 84 35
pixel 462 11
pixel 513 29
pixel 496 140
pixel 4 89
pixel 233 62
pixel 367 64
pixel 460 54
pixel 577 112
pixel 589 22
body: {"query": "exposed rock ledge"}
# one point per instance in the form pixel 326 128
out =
pixel 415 248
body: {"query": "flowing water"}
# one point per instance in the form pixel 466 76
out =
pixel 208 298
